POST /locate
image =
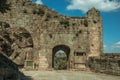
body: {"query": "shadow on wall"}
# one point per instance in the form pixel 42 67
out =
pixel 10 71
pixel 4 6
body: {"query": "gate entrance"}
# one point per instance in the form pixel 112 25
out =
pixel 60 57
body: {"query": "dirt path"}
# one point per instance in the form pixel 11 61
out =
pixel 69 75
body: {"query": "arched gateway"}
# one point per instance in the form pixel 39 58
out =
pixel 79 38
pixel 64 48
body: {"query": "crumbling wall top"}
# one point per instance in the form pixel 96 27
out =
pixel 93 13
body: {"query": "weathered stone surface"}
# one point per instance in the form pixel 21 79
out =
pixel 15 42
pixel 45 31
pixel 108 63
pixel 43 63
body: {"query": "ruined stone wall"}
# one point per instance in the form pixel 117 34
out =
pixel 95 32
pixel 49 29
pixel 75 37
pixel 108 63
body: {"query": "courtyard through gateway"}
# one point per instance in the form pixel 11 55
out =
pixel 68 75
pixel 60 60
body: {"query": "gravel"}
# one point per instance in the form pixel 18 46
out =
pixel 69 75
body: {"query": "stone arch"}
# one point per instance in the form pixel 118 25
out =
pixel 23 36
pixel 22 43
pixel 14 41
pixel 65 48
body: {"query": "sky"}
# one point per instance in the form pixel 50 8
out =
pixel 110 13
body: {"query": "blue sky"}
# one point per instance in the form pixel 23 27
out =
pixel 110 13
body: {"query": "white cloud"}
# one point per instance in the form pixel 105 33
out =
pixel 104 46
pixel 102 5
pixel 116 46
pixel 38 2
pixel 118 43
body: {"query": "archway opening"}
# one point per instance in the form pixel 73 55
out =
pixel 22 44
pixel 60 60
pixel 60 57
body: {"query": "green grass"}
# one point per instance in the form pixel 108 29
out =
pixel 29 63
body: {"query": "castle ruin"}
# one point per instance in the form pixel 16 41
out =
pixel 37 33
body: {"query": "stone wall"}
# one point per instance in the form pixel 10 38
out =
pixel 108 63
pixel 48 29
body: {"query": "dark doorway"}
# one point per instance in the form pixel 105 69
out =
pixel 60 57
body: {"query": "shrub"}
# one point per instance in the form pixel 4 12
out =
pixel 65 23
pixel 39 11
pixel 86 23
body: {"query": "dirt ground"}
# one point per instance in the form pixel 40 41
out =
pixel 69 75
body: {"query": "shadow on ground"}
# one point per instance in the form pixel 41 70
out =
pixel 9 70
pixel 28 78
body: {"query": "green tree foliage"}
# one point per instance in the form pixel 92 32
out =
pixel 60 63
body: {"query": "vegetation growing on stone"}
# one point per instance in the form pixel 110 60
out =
pixel 24 11
pixel 65 22
pixel 39 11
pixel 60 63
pixel 73 24
pixel 86 23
